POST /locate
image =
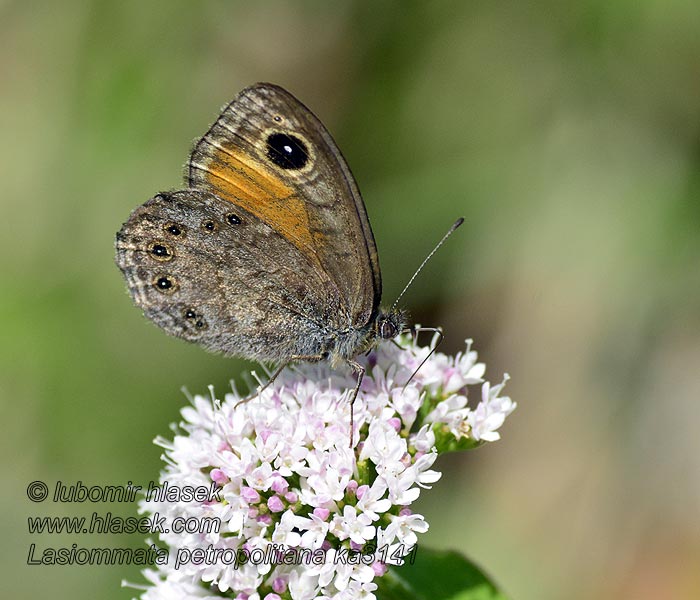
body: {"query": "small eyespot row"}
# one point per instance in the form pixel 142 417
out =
pixel 166 284
pixel 160 251
pixel 198 320
pixel 209 226
pixel 174 229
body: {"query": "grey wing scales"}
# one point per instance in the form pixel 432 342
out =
pixel 212 273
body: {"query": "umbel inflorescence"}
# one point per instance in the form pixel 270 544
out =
pixel 303 515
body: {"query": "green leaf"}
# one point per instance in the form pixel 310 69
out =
pixel 437 575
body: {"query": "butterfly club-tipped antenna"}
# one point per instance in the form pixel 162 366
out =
pixel 450 231
pixel 434 330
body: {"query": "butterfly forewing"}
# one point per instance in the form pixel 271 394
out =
pixel 268 154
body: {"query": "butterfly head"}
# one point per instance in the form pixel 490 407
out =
pixel 389 324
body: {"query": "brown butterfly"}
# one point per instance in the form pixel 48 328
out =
pixel 268 254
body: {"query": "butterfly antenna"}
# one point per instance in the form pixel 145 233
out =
pixel 451 230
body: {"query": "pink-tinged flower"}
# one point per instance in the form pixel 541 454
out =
pixel 279 485
pixel 291 482
pixel 405 527
pixel 321 513
pixel 279 585
pixel 315 528
pixel 261 477
pixel 218 476
pixel 250 495
pixel 490 413
pixel 285 533
pixel 372 502
pixel 275 504
pixel 357 527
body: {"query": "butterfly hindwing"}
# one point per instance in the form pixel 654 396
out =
pixel 215 274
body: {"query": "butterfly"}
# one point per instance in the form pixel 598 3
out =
pixel 268 254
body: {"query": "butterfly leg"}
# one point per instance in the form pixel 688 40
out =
pixel 296 358
pixel 360 371
pixel 263 387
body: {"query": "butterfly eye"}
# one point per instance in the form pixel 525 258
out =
pixel 209 226
pixel 165 284
pixel 287 151
pixel 174 229
pixel 233 219
pixel 161 252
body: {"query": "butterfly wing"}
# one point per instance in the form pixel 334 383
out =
pixel 217 275
pixel 269 154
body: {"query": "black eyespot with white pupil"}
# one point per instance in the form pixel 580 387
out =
pixel 287 151
pixel 160 252
pixel 233 219
pixel 174 229
pixel 165 284
pixel 209 226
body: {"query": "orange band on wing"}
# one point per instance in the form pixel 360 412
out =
pixel 241 180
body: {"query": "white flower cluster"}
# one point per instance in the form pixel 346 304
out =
pixel 303 515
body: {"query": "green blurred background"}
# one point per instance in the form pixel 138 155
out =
pixel 567 134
